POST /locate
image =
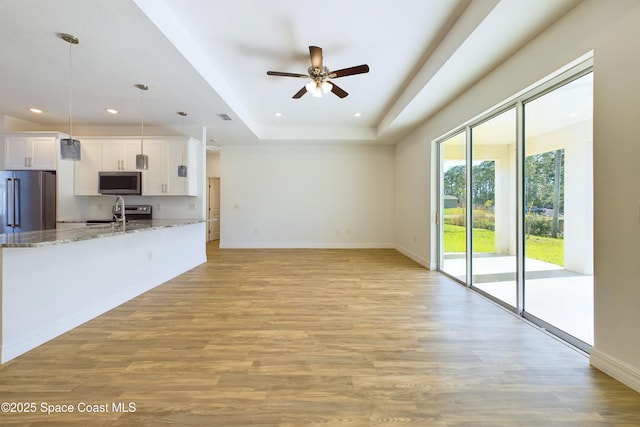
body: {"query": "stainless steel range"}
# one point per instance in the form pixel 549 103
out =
pixel 133 212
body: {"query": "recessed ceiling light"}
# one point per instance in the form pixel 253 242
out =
pixel 277 114
pixel 111 111
pixel 356 114
pixel 35 110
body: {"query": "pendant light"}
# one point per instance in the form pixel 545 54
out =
pixel 69 147
pixel 182 169
pixel 142 160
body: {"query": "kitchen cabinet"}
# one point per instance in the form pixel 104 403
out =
pixel 119 154
pixel 30 152
pixel 161 179
pixel 86 170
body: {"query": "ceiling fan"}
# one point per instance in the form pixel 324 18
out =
pixel 320 75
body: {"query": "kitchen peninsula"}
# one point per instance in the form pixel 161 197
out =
pixel 54 280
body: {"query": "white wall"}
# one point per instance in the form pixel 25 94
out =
pixel 307 196
pixel 213 165
pixel 413 217
pixel 609 29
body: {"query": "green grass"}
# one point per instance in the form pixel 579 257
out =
pixel 541 248
pixel 545 249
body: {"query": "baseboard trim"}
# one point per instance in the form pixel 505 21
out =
pixel 333 245
pixel 621 371
pixel 423 262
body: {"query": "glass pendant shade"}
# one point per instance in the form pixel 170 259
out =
pixel 142 161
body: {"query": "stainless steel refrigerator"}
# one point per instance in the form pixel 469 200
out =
pixel 27 201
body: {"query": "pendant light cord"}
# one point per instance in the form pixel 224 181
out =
pixel 142 120
pixel 70 91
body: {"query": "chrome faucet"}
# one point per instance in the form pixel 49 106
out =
pixel 121 210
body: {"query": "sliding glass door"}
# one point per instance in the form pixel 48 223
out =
pixel 558 177
pixel 516 203
pixel 493 187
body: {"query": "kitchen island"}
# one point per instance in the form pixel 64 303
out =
pixel 54 280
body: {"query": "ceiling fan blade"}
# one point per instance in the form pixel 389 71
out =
pixel 280 73
pixel 315 53
pixel 358 69
pixel 338 91
pixel 300 93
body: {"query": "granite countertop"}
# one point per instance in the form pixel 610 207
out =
pixel 34 239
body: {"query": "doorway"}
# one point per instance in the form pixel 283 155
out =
pixel 213 209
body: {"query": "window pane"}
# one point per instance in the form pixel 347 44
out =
pixel 453 210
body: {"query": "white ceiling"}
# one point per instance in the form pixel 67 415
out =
pixel 208 57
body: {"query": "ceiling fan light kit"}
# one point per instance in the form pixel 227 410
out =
pixel 320 75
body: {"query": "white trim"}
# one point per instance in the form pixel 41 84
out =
pixel 422 261
pixel 331 245
pixel 621 371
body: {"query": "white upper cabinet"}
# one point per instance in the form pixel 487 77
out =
pixel 30 152
pixel 153 179
pixel 86 170
pixel 119 154
pixel 162 177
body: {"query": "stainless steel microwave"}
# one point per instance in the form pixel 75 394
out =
pixel 120 183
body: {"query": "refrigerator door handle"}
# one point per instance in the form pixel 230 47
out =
pixel 16 203
pixel 9 201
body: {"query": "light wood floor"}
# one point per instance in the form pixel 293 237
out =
pixel 314 337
